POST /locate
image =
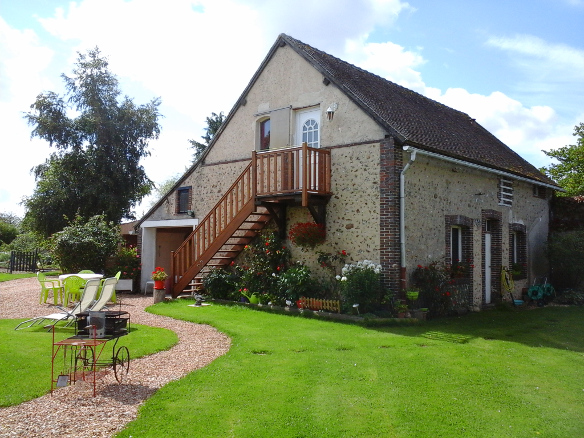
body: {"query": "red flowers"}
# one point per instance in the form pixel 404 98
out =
pixel 307 234
pixel 159 275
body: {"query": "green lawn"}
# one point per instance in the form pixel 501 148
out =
pixel 7 277
pixel 25 356
pixel 491 374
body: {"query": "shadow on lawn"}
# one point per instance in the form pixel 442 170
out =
pixel 551 327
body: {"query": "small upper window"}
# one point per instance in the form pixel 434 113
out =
pixel 183 200
pixel 506 192
pixel 539 191
pixel 310 133
pixel 265 135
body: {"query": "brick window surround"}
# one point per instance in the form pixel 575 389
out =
pixel 465 223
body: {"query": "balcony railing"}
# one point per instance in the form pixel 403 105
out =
pixel 291 171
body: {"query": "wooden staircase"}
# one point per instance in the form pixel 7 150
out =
pixel 292 176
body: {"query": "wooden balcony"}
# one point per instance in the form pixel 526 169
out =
pixel 297 176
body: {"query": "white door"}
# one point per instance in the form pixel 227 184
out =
pixel 488 268
pixel 308 131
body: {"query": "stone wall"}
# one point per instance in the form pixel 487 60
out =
pixel 437 190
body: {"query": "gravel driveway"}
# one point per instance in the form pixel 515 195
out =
pixel 73 411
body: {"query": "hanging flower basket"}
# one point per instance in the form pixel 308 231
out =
pixel 307 235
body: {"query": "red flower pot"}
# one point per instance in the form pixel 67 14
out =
pixel 158 284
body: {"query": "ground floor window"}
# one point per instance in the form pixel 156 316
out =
pixel 518 250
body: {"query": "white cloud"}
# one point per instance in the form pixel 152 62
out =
pixel 527 130
pixel 22 66
pixel 388 60
pixel 541 59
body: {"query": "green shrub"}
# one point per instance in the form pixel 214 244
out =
pixel 433 281
pixel 295 282
pixel 263 261
pixel 128 262
pixel 8 232
pixel 571 297
pixel 566 257
pixel 85 244
pixel 222 284
pixel 361 284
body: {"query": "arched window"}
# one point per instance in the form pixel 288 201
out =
pixel 310 133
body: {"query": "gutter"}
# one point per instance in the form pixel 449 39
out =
pixel 481 167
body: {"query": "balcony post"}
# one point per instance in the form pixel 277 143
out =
pixel 304 175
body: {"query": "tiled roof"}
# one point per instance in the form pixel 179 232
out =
pixel 416 120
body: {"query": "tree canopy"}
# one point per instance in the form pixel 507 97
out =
pixel 568 172
pixel 99 138
pixel 214 122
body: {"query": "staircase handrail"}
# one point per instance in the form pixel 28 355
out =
pixel 244 189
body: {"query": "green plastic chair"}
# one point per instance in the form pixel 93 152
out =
pixel 86 271
pixel 72 287
pixel 49 286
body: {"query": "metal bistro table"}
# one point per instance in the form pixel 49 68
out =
pixel 82 353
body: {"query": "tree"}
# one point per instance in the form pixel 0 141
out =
pixel 569 171
pixel 99 139
pixel 213 124
pixel 9 225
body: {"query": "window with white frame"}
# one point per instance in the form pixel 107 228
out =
pixel 505 192
pixel 455 244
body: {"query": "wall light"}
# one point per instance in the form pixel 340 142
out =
pixel 330 112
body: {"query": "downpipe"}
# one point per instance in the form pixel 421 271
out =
pixel 402 223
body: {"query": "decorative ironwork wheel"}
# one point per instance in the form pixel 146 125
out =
pixel 84 361
pixel 121 362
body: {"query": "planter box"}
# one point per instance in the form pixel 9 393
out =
pixel 125 284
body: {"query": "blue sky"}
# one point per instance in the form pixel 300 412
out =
pixel 515 66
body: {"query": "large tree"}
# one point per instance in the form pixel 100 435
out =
pixel 568 172
pixel 99 138
pixel 214 122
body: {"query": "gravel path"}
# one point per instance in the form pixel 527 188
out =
pixel 73 411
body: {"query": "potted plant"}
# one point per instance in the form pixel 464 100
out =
pixel 402 309
pixel 159 276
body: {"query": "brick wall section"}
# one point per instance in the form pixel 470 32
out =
pixel 391 166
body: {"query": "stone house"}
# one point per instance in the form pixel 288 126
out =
pixel 397 178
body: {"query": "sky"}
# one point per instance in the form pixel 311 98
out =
pixel 515 66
